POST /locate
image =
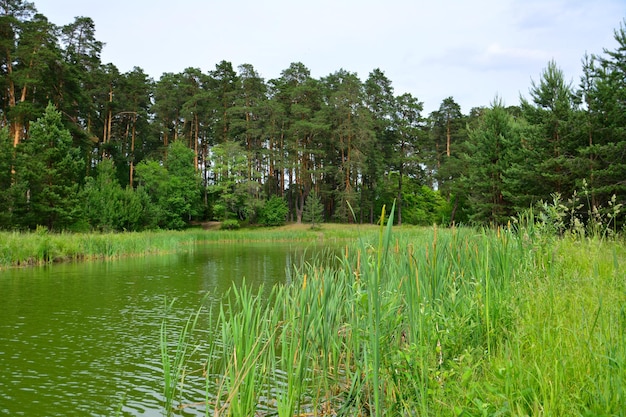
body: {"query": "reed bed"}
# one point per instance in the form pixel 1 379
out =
pixel 43 247
pixel 422 322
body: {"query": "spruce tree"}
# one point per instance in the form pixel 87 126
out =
pixel 48 169
pixel 313 210
pixel 490 146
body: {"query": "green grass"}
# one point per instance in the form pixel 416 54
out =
pixel 42 247
pixel 567 354
pixel 23 249
pixel 431 322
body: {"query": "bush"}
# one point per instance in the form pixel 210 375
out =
pixel 274 212
pixel 423 206
pixel 231 224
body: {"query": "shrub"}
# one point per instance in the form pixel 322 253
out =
pixel 274 212
pixel 423 206
pixel 230 224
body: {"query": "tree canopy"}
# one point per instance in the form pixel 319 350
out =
pixel 84 146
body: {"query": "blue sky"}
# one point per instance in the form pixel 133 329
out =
pixel 470 50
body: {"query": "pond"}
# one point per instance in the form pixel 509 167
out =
pixel 83 339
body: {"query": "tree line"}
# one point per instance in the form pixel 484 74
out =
pixel 85 147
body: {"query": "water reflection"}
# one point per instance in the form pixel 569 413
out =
pixel 83 339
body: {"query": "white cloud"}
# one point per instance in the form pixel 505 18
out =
pixel 498 57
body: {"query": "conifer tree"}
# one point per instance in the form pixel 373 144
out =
pixel 48 171
pixel 489 150
pixel 313 210
pixel 549 146
pixel 406 157
pixel 605 99
pixel 380 101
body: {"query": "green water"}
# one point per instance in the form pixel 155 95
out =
pixel 83 339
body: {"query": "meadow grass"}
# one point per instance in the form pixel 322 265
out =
pixel 431 322
pixel 43 247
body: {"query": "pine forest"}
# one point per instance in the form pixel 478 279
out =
pixel 84 147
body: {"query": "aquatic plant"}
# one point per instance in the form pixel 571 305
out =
pixel 429 321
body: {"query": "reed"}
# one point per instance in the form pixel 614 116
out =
pixel 431 322
pixel 174 362
pixel 42 247
pixel 246 337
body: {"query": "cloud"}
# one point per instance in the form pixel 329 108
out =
pixel 492 57
pixel 497 57
pixel 431 49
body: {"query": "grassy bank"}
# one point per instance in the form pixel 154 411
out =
pixel 419 322
pixel 23 249
pixel 42 247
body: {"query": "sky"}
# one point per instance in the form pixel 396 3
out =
pixel 473 51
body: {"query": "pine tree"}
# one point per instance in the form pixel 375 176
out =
pixel 550 146
pixel 300 100
pixel 406 156
pixel 380 101
pixel 605 100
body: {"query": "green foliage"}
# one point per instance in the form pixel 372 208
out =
pixel 227 137
pixel 42 247
pixel 6 166
pixel 234 193
pixel 313 212
pixel 548 139
pixel 405 154
pixel 490 148
pixel 174 362
pixel 435 322
pixel 152 177
pixel 173 187
pixel 182 201
pixel 101 198
pixel 557 217
pixel 423 206
pixel 274 212
pixel 108 207
pixel 230 224
pixel 603 88
pixel 447 134
pixel 346 205
pixel 48 171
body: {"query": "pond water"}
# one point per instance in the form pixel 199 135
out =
pixel 83 339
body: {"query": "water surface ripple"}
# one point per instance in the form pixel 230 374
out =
pixel 83 339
